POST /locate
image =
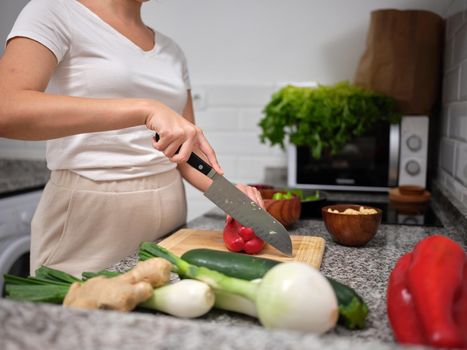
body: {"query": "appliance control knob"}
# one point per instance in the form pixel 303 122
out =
pixel 412 167
pixel 414 142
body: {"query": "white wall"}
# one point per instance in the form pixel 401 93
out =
pixel 238 51
pixel 272 40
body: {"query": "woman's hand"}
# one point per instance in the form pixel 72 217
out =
pixel 175 133
pixel 253 193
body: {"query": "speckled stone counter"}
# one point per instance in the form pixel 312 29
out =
pixel 366 269
pixel 22 175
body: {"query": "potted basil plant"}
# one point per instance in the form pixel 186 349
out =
pixel 324 118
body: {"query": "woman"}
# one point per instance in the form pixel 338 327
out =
pixel 112 82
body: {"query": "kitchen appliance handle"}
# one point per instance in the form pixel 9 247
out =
pixel 195 161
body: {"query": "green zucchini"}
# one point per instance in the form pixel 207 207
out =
pixel 237 265
pixel 352 308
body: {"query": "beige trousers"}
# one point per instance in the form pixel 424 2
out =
pixel 83 225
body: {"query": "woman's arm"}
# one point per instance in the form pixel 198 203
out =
pixel 201 181
pixel 27 113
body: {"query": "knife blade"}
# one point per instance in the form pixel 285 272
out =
pixel 234 202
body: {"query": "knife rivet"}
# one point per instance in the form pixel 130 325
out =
pixel 200 167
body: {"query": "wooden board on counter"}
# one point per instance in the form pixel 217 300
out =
pixel 307 249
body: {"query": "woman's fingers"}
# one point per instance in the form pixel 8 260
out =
pixel 179 137
pixel 184 152
pixel 253 193
pixel 208 151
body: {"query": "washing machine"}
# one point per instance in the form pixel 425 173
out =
pixel 16 212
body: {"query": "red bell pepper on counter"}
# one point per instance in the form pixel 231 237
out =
pixel 426 296
pixel 239 238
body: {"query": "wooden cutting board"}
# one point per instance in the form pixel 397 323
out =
pixel 307 249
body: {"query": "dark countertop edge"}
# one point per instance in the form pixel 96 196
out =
pixel 21 191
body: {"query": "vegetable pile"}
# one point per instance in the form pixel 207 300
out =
pixel 292 296
pixel 427 295
pixel 238 238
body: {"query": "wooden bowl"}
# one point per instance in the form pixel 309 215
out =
pixel 286 211
pixel 351 230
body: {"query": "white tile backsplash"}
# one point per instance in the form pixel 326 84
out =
pixel 451 86
pixel 460 45
pixel 240 143
pixel 238 95
pixel 455 7
pixel 457 190
pixel 222 119
pixel 254 167
pixel 452 172
pixel 458 121
pixel 454 22
pixel 445 116
pixel 463 81
pixel 447 155
pixel 249 119
pixel 448 55
pixel 461 164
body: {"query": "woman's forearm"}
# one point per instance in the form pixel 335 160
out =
pixel 34 115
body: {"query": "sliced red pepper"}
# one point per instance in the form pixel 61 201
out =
pixel 232 240
pixel 434 280
pixel 247 233
pixel 401 309
pixel 239 238
pixel 254 245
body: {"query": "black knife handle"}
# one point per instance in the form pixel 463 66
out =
pixel 195 161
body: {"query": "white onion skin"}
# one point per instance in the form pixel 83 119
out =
pixel 296 296
pixel 186 299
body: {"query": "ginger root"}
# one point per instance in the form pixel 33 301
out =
pixel 155 271
pixel 121 293
pixel 107 294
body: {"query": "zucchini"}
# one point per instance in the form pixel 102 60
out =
pixel 352 308
pixel 237 265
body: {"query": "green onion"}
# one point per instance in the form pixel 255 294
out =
pixel 187 298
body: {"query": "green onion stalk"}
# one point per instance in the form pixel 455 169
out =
pixel 186 299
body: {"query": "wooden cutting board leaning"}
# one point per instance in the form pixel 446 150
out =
pixel 307 249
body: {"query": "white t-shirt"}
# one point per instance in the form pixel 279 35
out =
pixel 97 61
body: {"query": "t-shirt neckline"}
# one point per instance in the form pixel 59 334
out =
pixel 110 28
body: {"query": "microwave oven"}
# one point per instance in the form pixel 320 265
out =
pixel 386 156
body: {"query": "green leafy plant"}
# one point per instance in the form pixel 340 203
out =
pixel 323 118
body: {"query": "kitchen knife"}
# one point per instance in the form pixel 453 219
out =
pixel 243 209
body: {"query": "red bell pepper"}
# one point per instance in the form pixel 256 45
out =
pixel 425 291
pixel 239 238
pixel 460 308
pixel 401 309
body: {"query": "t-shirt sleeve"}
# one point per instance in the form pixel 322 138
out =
pixel 185 73
pixel 44 21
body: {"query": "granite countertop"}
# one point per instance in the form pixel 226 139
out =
pixel 22 175
pixel 366 269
